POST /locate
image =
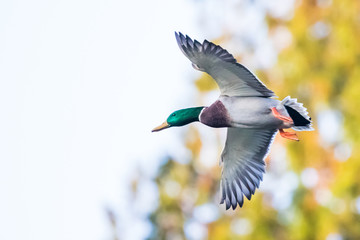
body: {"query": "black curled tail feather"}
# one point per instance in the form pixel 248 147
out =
pixel 298 113
pixel 296 117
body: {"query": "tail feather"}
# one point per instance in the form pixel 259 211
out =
pixel 298 113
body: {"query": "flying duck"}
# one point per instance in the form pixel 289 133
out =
pixel 247 108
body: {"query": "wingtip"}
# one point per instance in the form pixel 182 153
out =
pixel 177 37
pixel 233 205
pixel 177 33
pixel 227 207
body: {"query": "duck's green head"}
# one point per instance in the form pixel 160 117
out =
pixel 180 118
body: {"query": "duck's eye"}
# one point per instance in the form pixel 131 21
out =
pixel 173 114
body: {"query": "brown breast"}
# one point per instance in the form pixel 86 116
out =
pixel 215 116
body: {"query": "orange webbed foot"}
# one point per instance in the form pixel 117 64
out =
pixel 281 117
pixel 288 135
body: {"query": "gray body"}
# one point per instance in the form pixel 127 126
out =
pixel 244 112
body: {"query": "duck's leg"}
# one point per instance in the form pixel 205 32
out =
pixel 281 117
pixel 288 135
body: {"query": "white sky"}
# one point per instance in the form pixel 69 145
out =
pixel 81 86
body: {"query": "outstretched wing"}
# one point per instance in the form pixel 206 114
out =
pixel 243 163
pixel 233 78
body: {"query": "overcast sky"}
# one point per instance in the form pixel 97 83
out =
pixel 81 86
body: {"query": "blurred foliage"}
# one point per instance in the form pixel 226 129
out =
pixel 320 65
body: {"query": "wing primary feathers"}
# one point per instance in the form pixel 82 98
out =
pixel 245 189
pixel 244 179
pixel 212 48
pixel 189 42
pixel 243 161
pixel 198 46
pixel 227 203
pixel 178 39
pixel 233 199
pixel 237 182
pixel 223 192
pixel 217 51
pixel 255 179
pixel 239 195
pixel 233 78
pixel 205 46
pixel 255 173
pixel 256 167
pixel 250 179
pixel 183 39
pixel 228 195
pixel 251 185
pixel 181 45
pixel 258 164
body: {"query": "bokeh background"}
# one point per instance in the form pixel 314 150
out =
pixel 82 83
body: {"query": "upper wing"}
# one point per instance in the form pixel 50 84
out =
pixel 243 159
pixel 233 78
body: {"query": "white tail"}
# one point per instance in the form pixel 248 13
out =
pixel 301 120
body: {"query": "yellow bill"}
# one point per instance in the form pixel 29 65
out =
pixel 161 127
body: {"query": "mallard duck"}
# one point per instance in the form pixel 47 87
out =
pixel 247 108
